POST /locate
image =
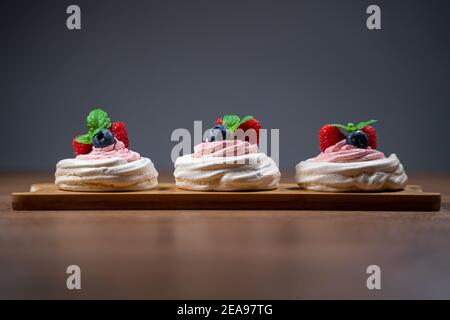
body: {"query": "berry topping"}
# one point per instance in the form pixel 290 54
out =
pixel 81 148
pixel 371 134
pixel 358 139
pixel 217 133
pixel 329 135
pixel 119 130
pixel 252 124
pixel 103 139
pixel 233 123
pixel 97 122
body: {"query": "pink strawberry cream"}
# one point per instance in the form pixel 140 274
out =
pixel 228 165
pixel 343 168
pixel 342 152
pixel 225 148
pixel 113 151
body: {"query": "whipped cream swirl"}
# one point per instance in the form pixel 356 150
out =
pixel 229 165
pixel 113 168
pixel 225 148
pixel 343 152
pixel 115 150
pixel 344 167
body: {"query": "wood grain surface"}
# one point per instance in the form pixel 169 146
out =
pixel 166 196
pixel 223 254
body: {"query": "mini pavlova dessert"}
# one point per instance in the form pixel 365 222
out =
pixel 225 162
pixel 349 161
pixel 103 161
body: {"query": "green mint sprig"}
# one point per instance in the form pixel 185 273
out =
pixel 85 139
pixel 350 127
pixel 96 121
pixel 232 121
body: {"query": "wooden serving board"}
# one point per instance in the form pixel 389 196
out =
pixel 168 197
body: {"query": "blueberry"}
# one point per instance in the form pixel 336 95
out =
pixel 217 133
pixel 103 139
pixel 358 139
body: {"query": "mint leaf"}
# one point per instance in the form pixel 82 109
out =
pixel 245 119
pixel 365 124
pixel 94 132
pixel 98 120
pixel 340 126
pixel 351 127
pixel 231 121
pixel 85 139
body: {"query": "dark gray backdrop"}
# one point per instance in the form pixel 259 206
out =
pixel 159 65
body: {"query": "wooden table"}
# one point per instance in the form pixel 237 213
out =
pixel 224 254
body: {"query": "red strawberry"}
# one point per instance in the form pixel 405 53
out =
pixel 371 134
pixel 218 121
pixel 252 124
pixel 81 148
pixel 329 135
pixel 119 130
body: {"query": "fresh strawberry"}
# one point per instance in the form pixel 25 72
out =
pixel 251 124
pixel 371 134
pixel 81 148
pixel 119 130
pixel 329 135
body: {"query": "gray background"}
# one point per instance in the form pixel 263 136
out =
pixel 160 65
